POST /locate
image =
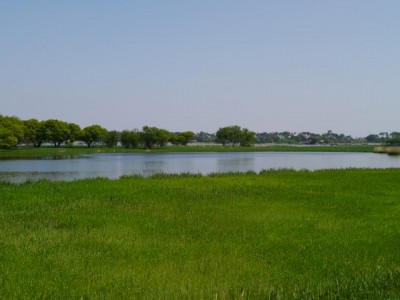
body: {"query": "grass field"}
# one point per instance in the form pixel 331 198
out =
pixel 51 151
pixel 277 235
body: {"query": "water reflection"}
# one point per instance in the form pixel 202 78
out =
pixel 232 164
pixel 115 165
pixel 42 157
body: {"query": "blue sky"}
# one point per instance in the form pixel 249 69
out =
pixel 200 65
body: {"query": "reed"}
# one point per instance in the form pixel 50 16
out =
pixel 380 149
pixel 395 150
pixel 391 150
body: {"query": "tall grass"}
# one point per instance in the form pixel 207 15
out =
pixel 391 150
pixel 277 235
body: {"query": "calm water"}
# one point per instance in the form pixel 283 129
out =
pixel 115 165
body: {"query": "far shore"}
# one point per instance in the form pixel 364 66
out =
pixel 198 147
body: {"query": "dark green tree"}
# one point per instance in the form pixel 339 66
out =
pixel 111 138
pixel 125 140
pixel 247 138
pixel 205 137
pixel 373 138
pixel 151 136
pixel 236 136
pixel 223 135
pixel 393 141
pixel 395 134
pixel 130 138
pixel 35 132
pixel 314 139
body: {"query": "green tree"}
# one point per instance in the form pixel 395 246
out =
pixel 7 139
pixel 111 138
pixel 11 131
pixel 75 132
pixel 186 136
pixel 31 128
pixel 57 131
pixel 181 138
pixel 176 139
pixel 93 133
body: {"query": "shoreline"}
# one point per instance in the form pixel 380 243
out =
pixel 45 151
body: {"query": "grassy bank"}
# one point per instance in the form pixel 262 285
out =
pixel 281 234
pixel 43 151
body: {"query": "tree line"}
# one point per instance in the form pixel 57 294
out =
pixel 14 131
pixel 392 138
pixel 310 138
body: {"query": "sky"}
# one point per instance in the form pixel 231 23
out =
pixel 265 65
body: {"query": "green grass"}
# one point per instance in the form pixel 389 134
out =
pixel 50 151
pixel 277 235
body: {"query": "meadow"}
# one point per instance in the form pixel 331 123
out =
pixel 275 235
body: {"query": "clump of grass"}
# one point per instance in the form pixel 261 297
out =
pixel 131 176
pixel 380 149
pixel 176 175
pixel 391 150
pixel 280 234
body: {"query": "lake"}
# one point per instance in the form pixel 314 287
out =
pixel 114 165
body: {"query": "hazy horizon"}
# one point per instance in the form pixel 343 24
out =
pixel 201 65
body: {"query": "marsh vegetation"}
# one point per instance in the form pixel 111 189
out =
pixel 391 150
pixel 279 234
